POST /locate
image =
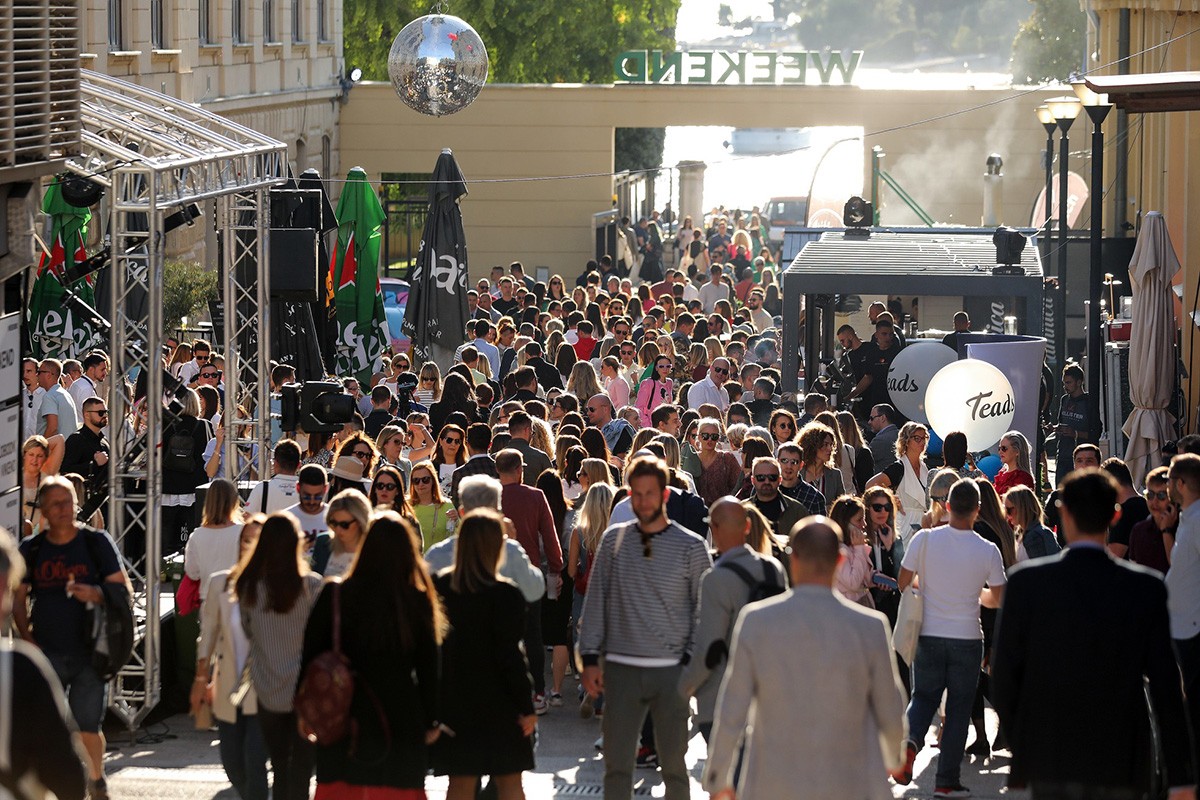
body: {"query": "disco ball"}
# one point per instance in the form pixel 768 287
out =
pixel 438 64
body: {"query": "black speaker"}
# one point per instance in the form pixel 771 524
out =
pixel 295 271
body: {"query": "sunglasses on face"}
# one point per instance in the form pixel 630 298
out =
pixel 312 498
pixel 209 374
pixel 920 437
pixel 386 487
pixel 202 358
pixel 341 524
pixel 938 498
pixel 1004 448
pixel 101 411
pixel 786 425
pixel 880 507
pixel 874 416
pixel 711 437
pixel 421 480
pixel 720 371
pixel 766 478
pixel 361 454
pixel 451 440
pixel 663 365
pixel 1159 495
pixel 789 461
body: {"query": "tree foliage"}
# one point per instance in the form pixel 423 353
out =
pixel 906 31
pixel 639 148
pixel 187 288
pixel 534 41
pixel 1049 44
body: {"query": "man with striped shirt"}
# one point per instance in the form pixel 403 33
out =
pixel 638 615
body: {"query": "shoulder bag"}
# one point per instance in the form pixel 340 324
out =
pixel 909 617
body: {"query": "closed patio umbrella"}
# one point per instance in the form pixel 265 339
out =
pixel 1151 347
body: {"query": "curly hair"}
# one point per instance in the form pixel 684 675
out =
pixel 907 432
pixel 812 436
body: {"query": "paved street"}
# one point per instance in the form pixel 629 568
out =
pixel 175 762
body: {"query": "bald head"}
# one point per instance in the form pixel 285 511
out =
pixel 728 524
pixel 815 543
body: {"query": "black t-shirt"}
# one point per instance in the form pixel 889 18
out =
pixel 506 307
pixel 876 363
pixel 1074 412
pixel 61 624
pixel 1133 511
pixel 772 510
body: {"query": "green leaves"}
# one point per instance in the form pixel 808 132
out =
pixel 187 287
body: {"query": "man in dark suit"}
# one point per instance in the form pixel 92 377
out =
pixel 547 375
pixel 1078 636
pixel 520 426
pixel 479 460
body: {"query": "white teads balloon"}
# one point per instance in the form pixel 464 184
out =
pixel 910 373
pixel 971 396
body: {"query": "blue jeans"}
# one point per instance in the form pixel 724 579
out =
pixel 952 666
pixel 244 756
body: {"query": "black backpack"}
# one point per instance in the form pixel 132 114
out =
pixel 112 627
pixel 180 453
pixel 769 586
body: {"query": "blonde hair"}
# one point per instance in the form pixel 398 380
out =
pixel 762 533
pixel 354 503
pixel 906 434
pixel 430 370
pixel 594 514
pixel 597 471
pixel 583 382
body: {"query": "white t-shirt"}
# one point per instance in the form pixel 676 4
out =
pixel 310 524
pixel 954 565
pixel 281 494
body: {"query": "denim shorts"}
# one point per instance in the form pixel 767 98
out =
pixel 87 694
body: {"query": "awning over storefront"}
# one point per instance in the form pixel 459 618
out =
pixel 1163 91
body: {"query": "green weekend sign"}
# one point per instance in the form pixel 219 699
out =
pixel 740 67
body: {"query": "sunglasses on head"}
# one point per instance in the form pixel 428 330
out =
pixel 341 524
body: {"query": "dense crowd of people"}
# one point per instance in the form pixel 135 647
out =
pixel 608 483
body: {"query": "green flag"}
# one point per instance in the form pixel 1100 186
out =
pixel 354 268
pixel 55 331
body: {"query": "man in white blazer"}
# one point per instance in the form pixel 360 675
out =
pixel 811 688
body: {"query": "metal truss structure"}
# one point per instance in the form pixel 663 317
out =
pixel 155 154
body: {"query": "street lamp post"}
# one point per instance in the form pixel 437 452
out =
pixel 1051 125
pixel 1063 110
pixel 1097 109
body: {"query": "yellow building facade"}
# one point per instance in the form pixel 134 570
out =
pixel 1163 148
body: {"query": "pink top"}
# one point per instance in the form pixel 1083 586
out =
pixel 651 394
pixel 854 575
pixel 618 391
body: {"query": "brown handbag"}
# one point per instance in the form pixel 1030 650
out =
pixel 323 700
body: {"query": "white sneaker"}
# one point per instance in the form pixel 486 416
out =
pixel 539 704
pixel 556 699
pixel 600 743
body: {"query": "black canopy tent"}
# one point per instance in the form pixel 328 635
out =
pixel 931 262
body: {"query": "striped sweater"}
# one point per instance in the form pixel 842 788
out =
pixel 638 605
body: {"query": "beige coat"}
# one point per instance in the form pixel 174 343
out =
pixel 216 643
pixel 813 689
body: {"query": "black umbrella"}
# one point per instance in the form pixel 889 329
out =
pixel 437 296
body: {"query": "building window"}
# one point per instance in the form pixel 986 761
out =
pixel 205 18
pixel 239 21
pixel 297 21
pixel 116 25
pixel 322 31
pixel 158 38
pixel 269 21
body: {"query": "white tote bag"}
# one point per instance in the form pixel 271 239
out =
pixel 909 618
